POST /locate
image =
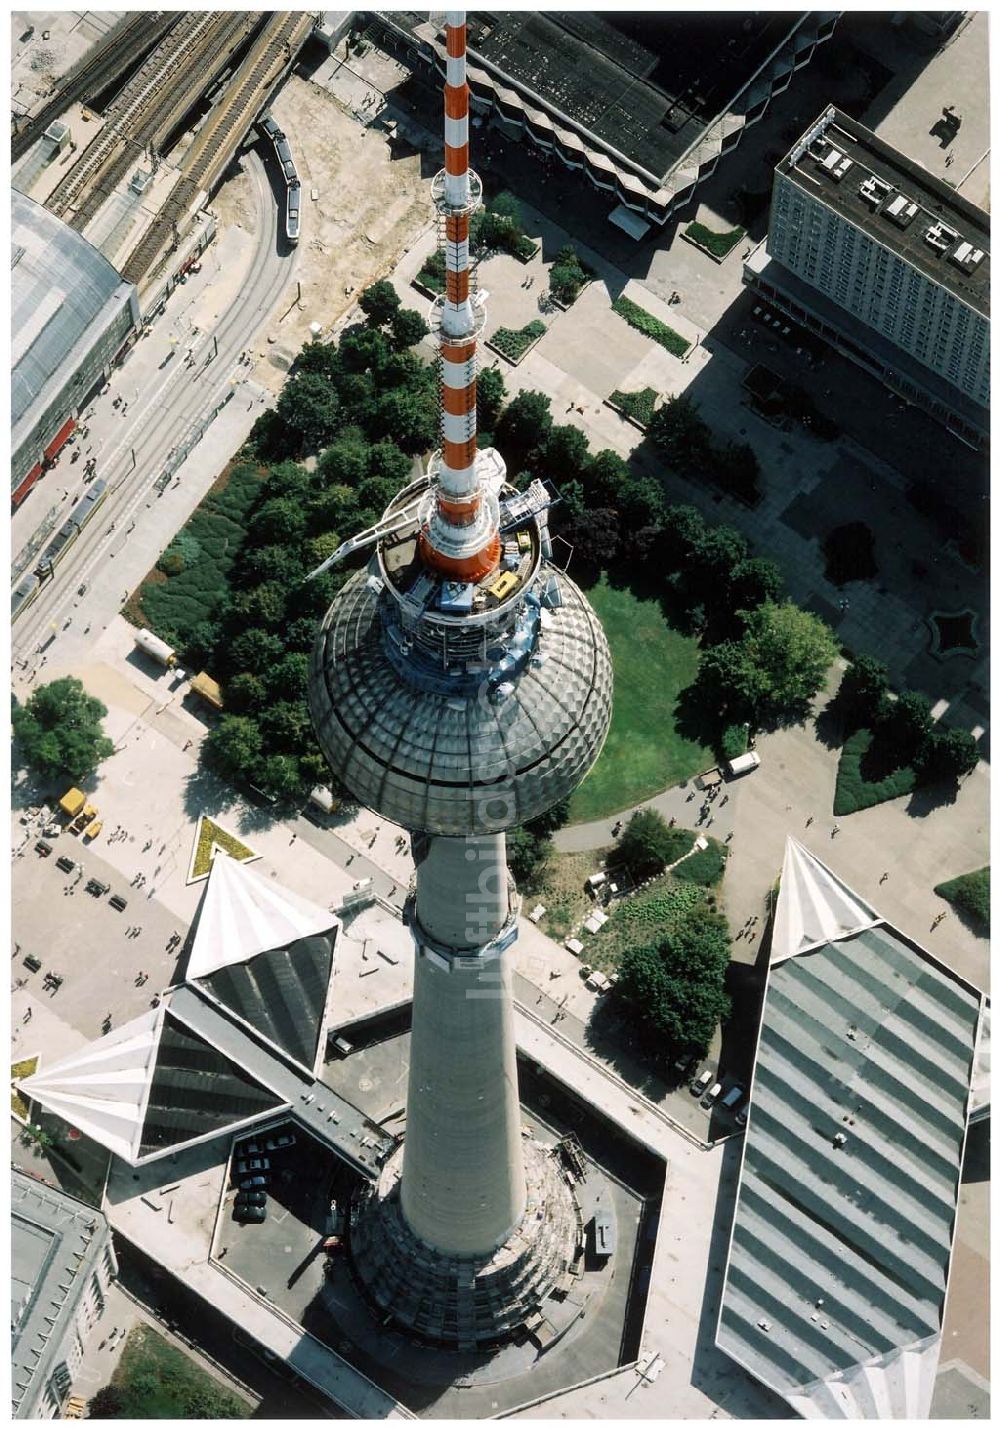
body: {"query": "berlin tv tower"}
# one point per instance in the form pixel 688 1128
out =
pixel 461 685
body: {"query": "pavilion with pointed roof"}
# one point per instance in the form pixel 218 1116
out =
pixel 841 1244
pixel 236 1041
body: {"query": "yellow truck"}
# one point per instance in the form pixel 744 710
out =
pixel 72 802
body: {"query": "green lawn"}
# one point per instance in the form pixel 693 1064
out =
pixel 644 753
pixel 157 1381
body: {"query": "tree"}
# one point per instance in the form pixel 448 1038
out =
pixel 407 328
pixel 356 391
pixel 279 775
pixel 263 605
pixel 947 755
pixel 376 492
pixel 603 476
pixel 246 693
pixel 310 410
pixel 640 503
pixel 864 692
pixel 792 649
pixel 253 650
pixel 684 531
pixel 408 419
pixel 279 521
pixel 595 537
pixel 565 453
pixel 288 478
pixel 59 731
pixel 347 459
pixel 735 468
pixel 362 349
pixel 567 274
pixel 107 1403
pixel 681 433
pixel 907 724
pixel 754 581
pixel 677 985
pixel 524 425
pixel 321 357
pixel 282 565
pixel 234 746
pixel 285 723
pixel 649 844
pixel 731 682
pixel 288 679
pixel 387 461
pixel 490 392
pixel 334 509
pixel 380 303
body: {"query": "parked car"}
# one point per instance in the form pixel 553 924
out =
pixel 252 1164
pixel 700 1083
pixel 712 1095
pixel 254 1183
pixel 252 1215
pixel 279 1143
pixel 248 1148
pixel 66 864
pixel 251 1198
pixel 96 888
pixel 42 848
pixel 733 1097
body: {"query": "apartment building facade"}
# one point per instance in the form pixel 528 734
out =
pixel 887 262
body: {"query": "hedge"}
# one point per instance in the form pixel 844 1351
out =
pixel 969 895
pixel 718 244
pixel 854 791
pixel 652 327
pixel 637 405
pixel 514 343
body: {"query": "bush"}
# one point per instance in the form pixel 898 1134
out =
pixel 568 275
pixel 705 866
pixel 718 244
pixel 637 405
pixel 171 563
pixel 652 327
pixel 432 274
pixel 969 895
pixel 514 343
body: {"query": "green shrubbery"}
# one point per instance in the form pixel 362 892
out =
pixel 686 440
pixel 652 327
pixel 513 343
pixel 637 405
pixel 718 244
pixel 155 1380
pixel 59 731
pixel 705 866
pixel 569 275
pixel 432 274
pixel 969 895
pixel 895 745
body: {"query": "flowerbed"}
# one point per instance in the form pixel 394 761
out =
pixel 651 327
pixel 513 343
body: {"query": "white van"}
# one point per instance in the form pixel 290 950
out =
pixel 712 1095
pixel 742 764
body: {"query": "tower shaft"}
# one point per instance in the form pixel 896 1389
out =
pixel 463 1187
pixel 461 539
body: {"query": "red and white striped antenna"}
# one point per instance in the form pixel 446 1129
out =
pixel 459 536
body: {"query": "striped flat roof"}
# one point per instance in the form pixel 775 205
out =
pixel 841 1243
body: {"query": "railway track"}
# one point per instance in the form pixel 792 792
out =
pixel 130 39
pixel 215 144
pixel 179 68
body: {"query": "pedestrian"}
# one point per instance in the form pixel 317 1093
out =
pixel 292 839
pixel 27 1016
pixel 809 820
pixel 835 831
pixel 883 878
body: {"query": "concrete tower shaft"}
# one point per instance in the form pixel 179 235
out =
pixel 463 1188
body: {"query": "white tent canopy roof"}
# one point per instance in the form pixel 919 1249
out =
pixel 244 914
pixel 103 1088
pixel 815 906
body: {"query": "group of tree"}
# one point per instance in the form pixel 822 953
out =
pixel 59 731
pixel 369 379
pixel 685 439
pixel 648 844
pixel 905 732
pixel 499 225
pixel 676 984
pixel 366 404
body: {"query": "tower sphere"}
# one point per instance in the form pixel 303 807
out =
pixel 464 726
